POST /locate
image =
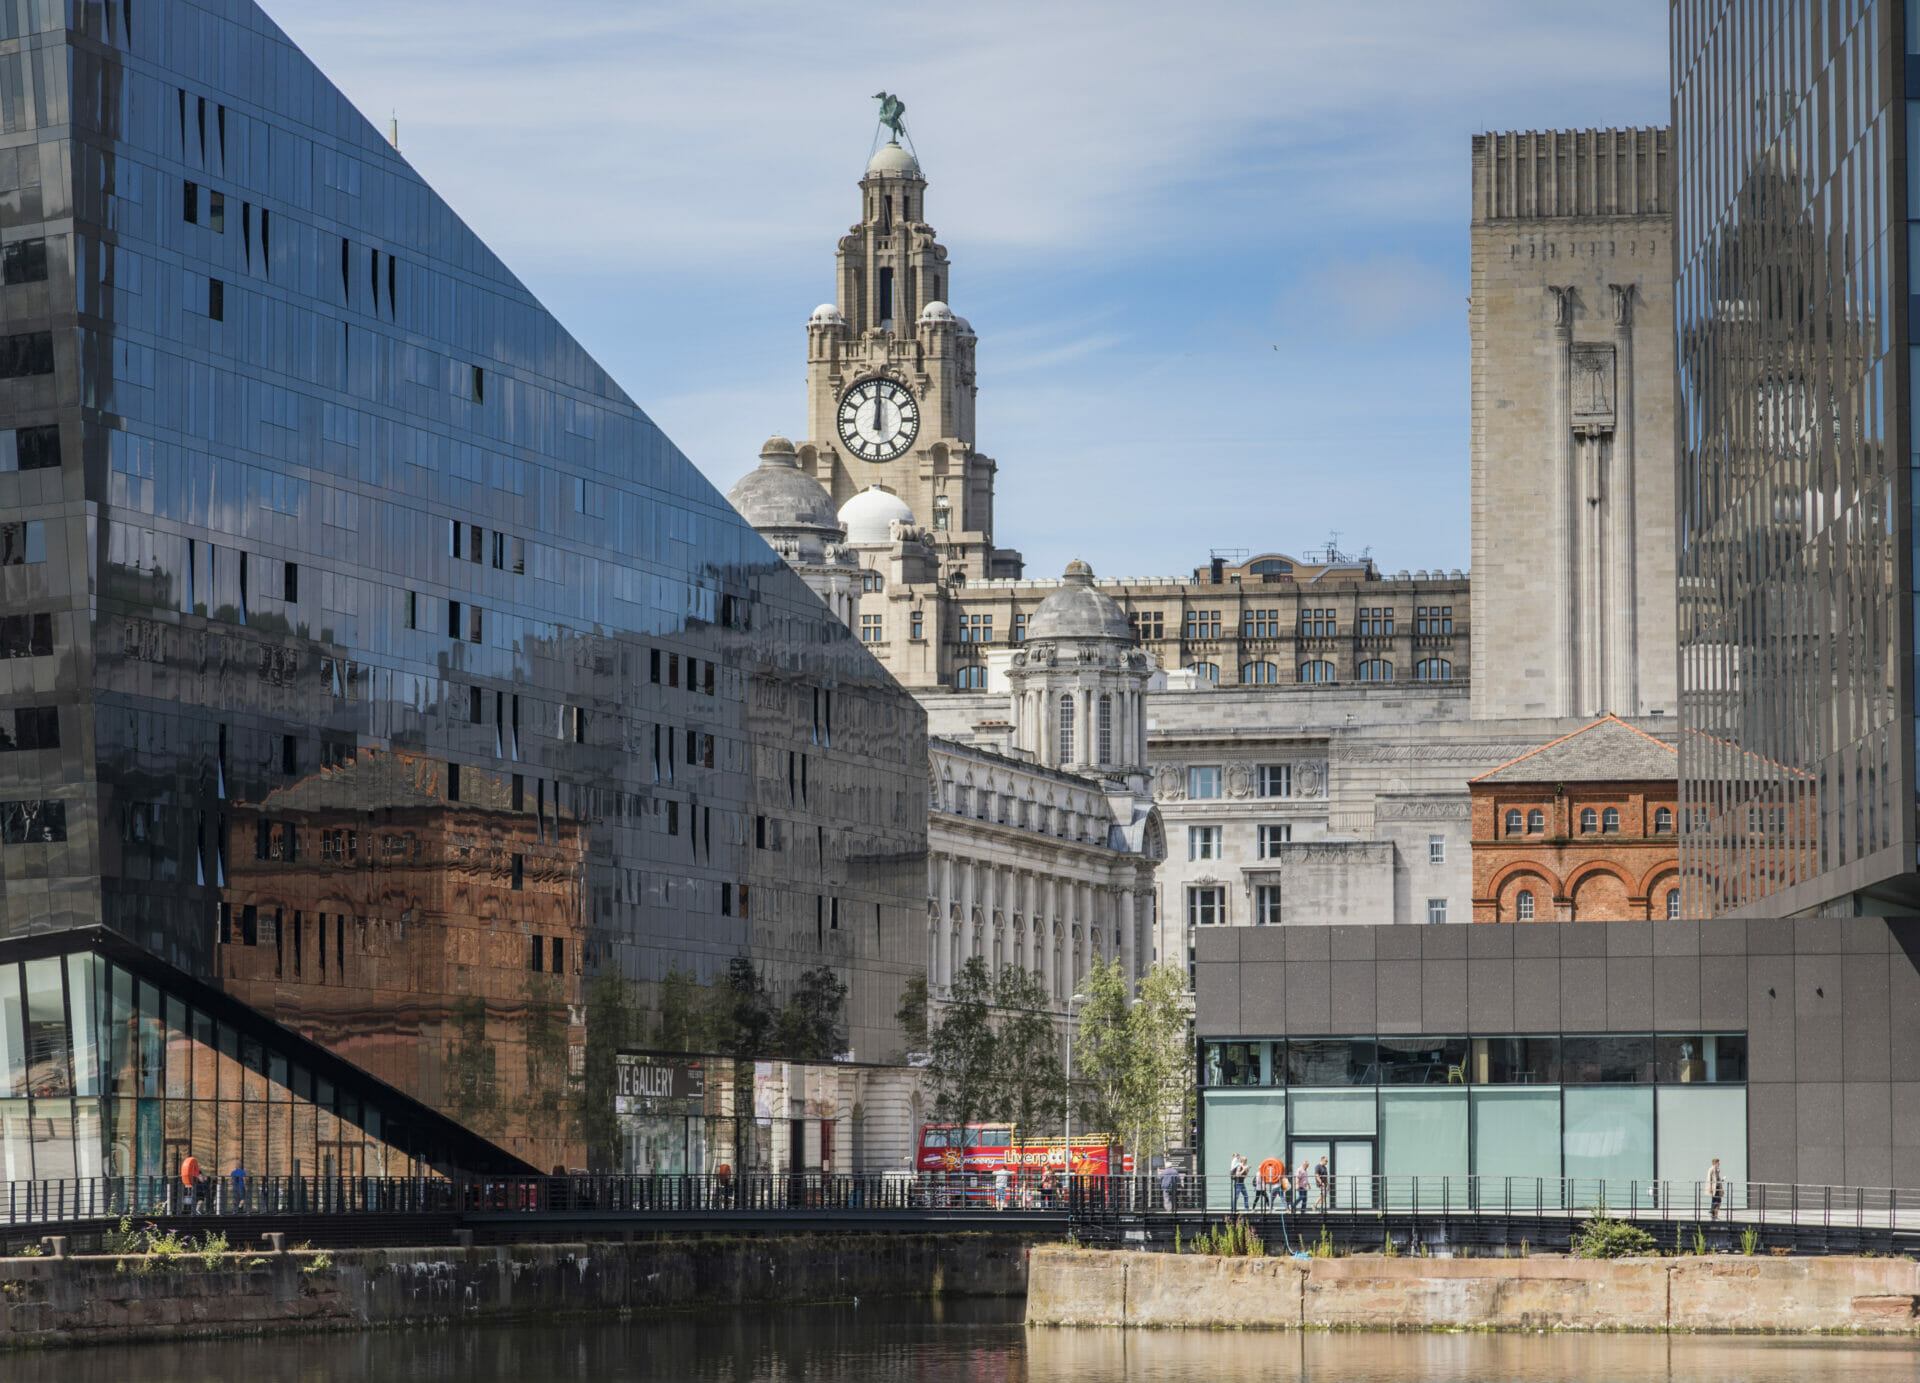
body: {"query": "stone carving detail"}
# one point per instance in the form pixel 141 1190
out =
pixel 1306 779
pixel 1592 385
pixel 1476 758
pixel 1170 782
pixel 1240 780
pixel 1431 809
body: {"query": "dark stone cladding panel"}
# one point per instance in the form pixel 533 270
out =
pixel 1536 939
pixel 1536 995
pixel 1629 993
pixel 1263 1001
pixel 1903 1015
pixel 1490 994
pixel 1307 943
pixel 1354 943
pixel 1216 998
pixel 1629 938
pixel 1676 993
pixel 1867 1126
pixel 1354 1000
pixel 1817 1009
pixel 1772 1152
pixel 1865 1017
pixel 1723 990
pixel 1309 986
pixel 1583 994
pixel 1397 995
pixel 1680 937
pixel 1398 943
pixel 1260 945
pixel 1770 1018
pixel 1443 996
pixel 1485 942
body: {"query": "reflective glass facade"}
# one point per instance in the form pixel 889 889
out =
pixel 114 1067
pixel 1795 568
pixel 363 647
pixel 1606 1109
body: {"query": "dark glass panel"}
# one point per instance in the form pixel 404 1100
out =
pixel 1423 1061
pixel 1610 1059
pixel 1330 1061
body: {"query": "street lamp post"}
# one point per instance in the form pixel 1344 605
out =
pixel 1075 999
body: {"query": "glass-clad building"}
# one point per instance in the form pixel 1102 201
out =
pixel 365 651
pixel 1792 128
pixel 115 1066
pixel 1614 1112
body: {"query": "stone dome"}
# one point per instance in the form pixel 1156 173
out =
pixel 1078 611
pixel 779 495
pixel 893 159
pixel 826 315
pixel 867 515
pixel 936 311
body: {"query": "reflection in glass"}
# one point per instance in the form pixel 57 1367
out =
pixel 1516 1060
pixel 1606 1060
pixel 1708 1059
pixel 1423 1061
pixel 1330 1061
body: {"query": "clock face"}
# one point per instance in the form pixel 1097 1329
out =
pixel 878 420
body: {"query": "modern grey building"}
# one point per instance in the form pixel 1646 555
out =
pixel 1620 1053
pixel 1795 537
pixel 365 651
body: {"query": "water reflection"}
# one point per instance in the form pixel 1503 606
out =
pixel 976 1341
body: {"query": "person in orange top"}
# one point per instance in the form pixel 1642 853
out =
pixel 190 1183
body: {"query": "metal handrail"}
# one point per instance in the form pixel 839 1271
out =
pixel 1438 1195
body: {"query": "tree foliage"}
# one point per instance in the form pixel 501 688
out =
pixel 1132 1063
pixel 911 1016
pixel 811 1026
pixel 994 1052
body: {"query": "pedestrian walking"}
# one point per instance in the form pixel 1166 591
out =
pixel 1002 1186
pixel 1169 1179
pixel 1301 1179
pixel 239 1186
pixel 1237 1174
pixel 1323 1183
pixel 190 1184
pixel 1716 1189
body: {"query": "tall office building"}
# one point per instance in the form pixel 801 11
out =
pixel 1795 531
pixel 368 659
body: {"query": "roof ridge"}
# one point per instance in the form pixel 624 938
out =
pixel 1575 734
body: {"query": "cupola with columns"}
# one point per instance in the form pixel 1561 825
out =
pixel 1079 684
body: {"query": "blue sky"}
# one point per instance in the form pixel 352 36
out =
pixel 1216 254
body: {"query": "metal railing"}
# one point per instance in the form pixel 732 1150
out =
pixel 1080 1198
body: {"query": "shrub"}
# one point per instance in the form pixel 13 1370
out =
pixel 1750 1240
pixel 1605 1237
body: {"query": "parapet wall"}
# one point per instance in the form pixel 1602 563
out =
pixel 48 1301
pixel 1715 1293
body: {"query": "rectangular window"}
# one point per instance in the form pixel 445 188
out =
pixel 1019 628
pixel 30 449
pixel 1203 624
pixel 22 544
pixel 290 582
pixel 536 953
pixel 453 782
pixel 917 630
pixel 1436 849
pixel 1148 624
pixel 1203 782
pixel 1266 905
pixel 26 353
pixel 24 261
pixel 976 629
pixel 30 727
pixel 1276 780
pixel 1260 624
pixel 1272 838
pixel 190 203
pixel 475 624
pixel 1206 907
pixel 1319 624
pixel 1203 842
pixel 26 636
pixel 1433 619
pixel 871 629
pixel 1436 910
pixel 410 611
pixel 217 212
pixel 32 823
pixel 454 624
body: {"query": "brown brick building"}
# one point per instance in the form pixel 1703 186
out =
pixel 1582 829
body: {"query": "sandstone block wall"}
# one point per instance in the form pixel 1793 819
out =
pixel 1093 1287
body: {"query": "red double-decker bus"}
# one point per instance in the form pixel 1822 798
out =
pixel 986 1148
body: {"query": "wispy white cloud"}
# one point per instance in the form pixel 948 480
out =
pixel 1142 202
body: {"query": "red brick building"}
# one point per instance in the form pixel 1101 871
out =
pixel 1583 829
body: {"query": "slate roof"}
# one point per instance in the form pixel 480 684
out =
pixel 1607 751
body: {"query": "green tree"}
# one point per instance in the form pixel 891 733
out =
pixel 961 1049
pixel 614 1022
pixel 686 1014
pixel 1132 1062
pixel 911 1016
pixel 1028 1087
pixel 812 1026
pixel 743 1012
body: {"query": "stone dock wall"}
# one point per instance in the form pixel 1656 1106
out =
pixel 49 1301
pixel 1092 1287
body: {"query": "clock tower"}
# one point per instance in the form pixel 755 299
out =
pixel 890 377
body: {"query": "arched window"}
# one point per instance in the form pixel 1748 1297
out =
pixel 1433 670
pixel 972 677
pixel 1316 671
pixel 1259 673
pixel 1206 672
pixel 1663 821
pixel 1376 670
pixel 1610 820
pixel 1673 904
pixel 1536 822
pixel 1106 729
pixel 1523 905
pixel 1513 821
pixel 1066 729
pixel 1589 821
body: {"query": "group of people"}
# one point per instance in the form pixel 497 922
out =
pixel 196 1188
pixel 1277 1188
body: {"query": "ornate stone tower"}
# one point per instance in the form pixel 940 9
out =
pixel 1572 473
pixel 1079 685
pixel 890 376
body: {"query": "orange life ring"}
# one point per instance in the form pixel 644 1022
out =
pixel 1272 1170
